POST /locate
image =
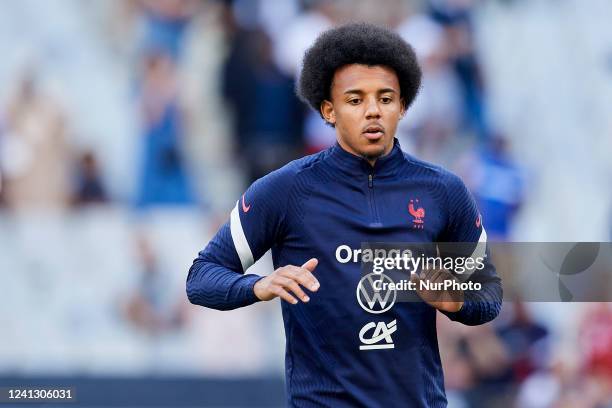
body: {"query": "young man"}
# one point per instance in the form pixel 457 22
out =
pixel 341 350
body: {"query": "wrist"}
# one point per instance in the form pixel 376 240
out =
pixel 256 287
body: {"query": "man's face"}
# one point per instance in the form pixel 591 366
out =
pixel 365 107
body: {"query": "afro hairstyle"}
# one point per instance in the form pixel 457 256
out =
pixel 356 43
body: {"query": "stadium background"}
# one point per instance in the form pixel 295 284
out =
pixel 129 128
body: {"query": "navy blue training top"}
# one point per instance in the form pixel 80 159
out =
pixel 308 209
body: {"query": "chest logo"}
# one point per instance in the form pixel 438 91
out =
pixel 374 300
pixel 418 214
pixel 380 338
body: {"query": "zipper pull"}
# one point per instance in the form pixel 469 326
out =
pixel 370 184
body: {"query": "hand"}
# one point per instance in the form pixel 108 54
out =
pixel 445 300
pixel 288 279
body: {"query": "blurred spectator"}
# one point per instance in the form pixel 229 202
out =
pixel 432 121
pixel 543 388
pixel 34 153
pixel 164 177
pixel 475 364
pixel 497 183
pixel 585 383
pixel 2 200
pixel 483 364
pixel 88 185
pixel 596 342
pixel 319 15
pixel 456 18
pixel 2 130
pixel 165 23
pixel 152 308
pixel 268 115
pixel 525 340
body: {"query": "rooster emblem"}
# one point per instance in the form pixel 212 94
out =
pixel 418 214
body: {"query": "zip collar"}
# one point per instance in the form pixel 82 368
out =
pixel 354 165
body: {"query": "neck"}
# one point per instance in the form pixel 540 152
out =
pixel 371 160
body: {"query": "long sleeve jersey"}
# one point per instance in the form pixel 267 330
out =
pixel 339 353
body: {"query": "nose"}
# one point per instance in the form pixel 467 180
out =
pixel 372 109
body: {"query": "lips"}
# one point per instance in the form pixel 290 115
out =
pixel 374 132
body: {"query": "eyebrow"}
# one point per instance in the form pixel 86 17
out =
pixel 360 92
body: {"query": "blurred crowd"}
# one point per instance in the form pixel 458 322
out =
pixel 520 361
pixel 214 82
pixel 206 101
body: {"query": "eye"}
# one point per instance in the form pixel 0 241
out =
pixel 354 101
pixel 386 99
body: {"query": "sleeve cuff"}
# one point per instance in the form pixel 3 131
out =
pixel 248 283
pixel 463 314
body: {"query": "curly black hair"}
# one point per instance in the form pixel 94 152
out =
pixel 356 43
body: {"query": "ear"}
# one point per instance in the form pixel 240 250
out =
pixel 403 109
pixel 327 111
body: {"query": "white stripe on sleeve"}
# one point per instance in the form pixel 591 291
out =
pixel 479 252
pixel 240 242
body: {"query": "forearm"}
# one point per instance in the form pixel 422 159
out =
pixel 218 287
pixel 480 306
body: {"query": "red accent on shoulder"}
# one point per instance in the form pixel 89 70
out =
pixel 245 208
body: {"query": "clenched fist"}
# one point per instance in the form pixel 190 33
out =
pixel 287 282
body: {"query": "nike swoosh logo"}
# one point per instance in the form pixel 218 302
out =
pixel 244 206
